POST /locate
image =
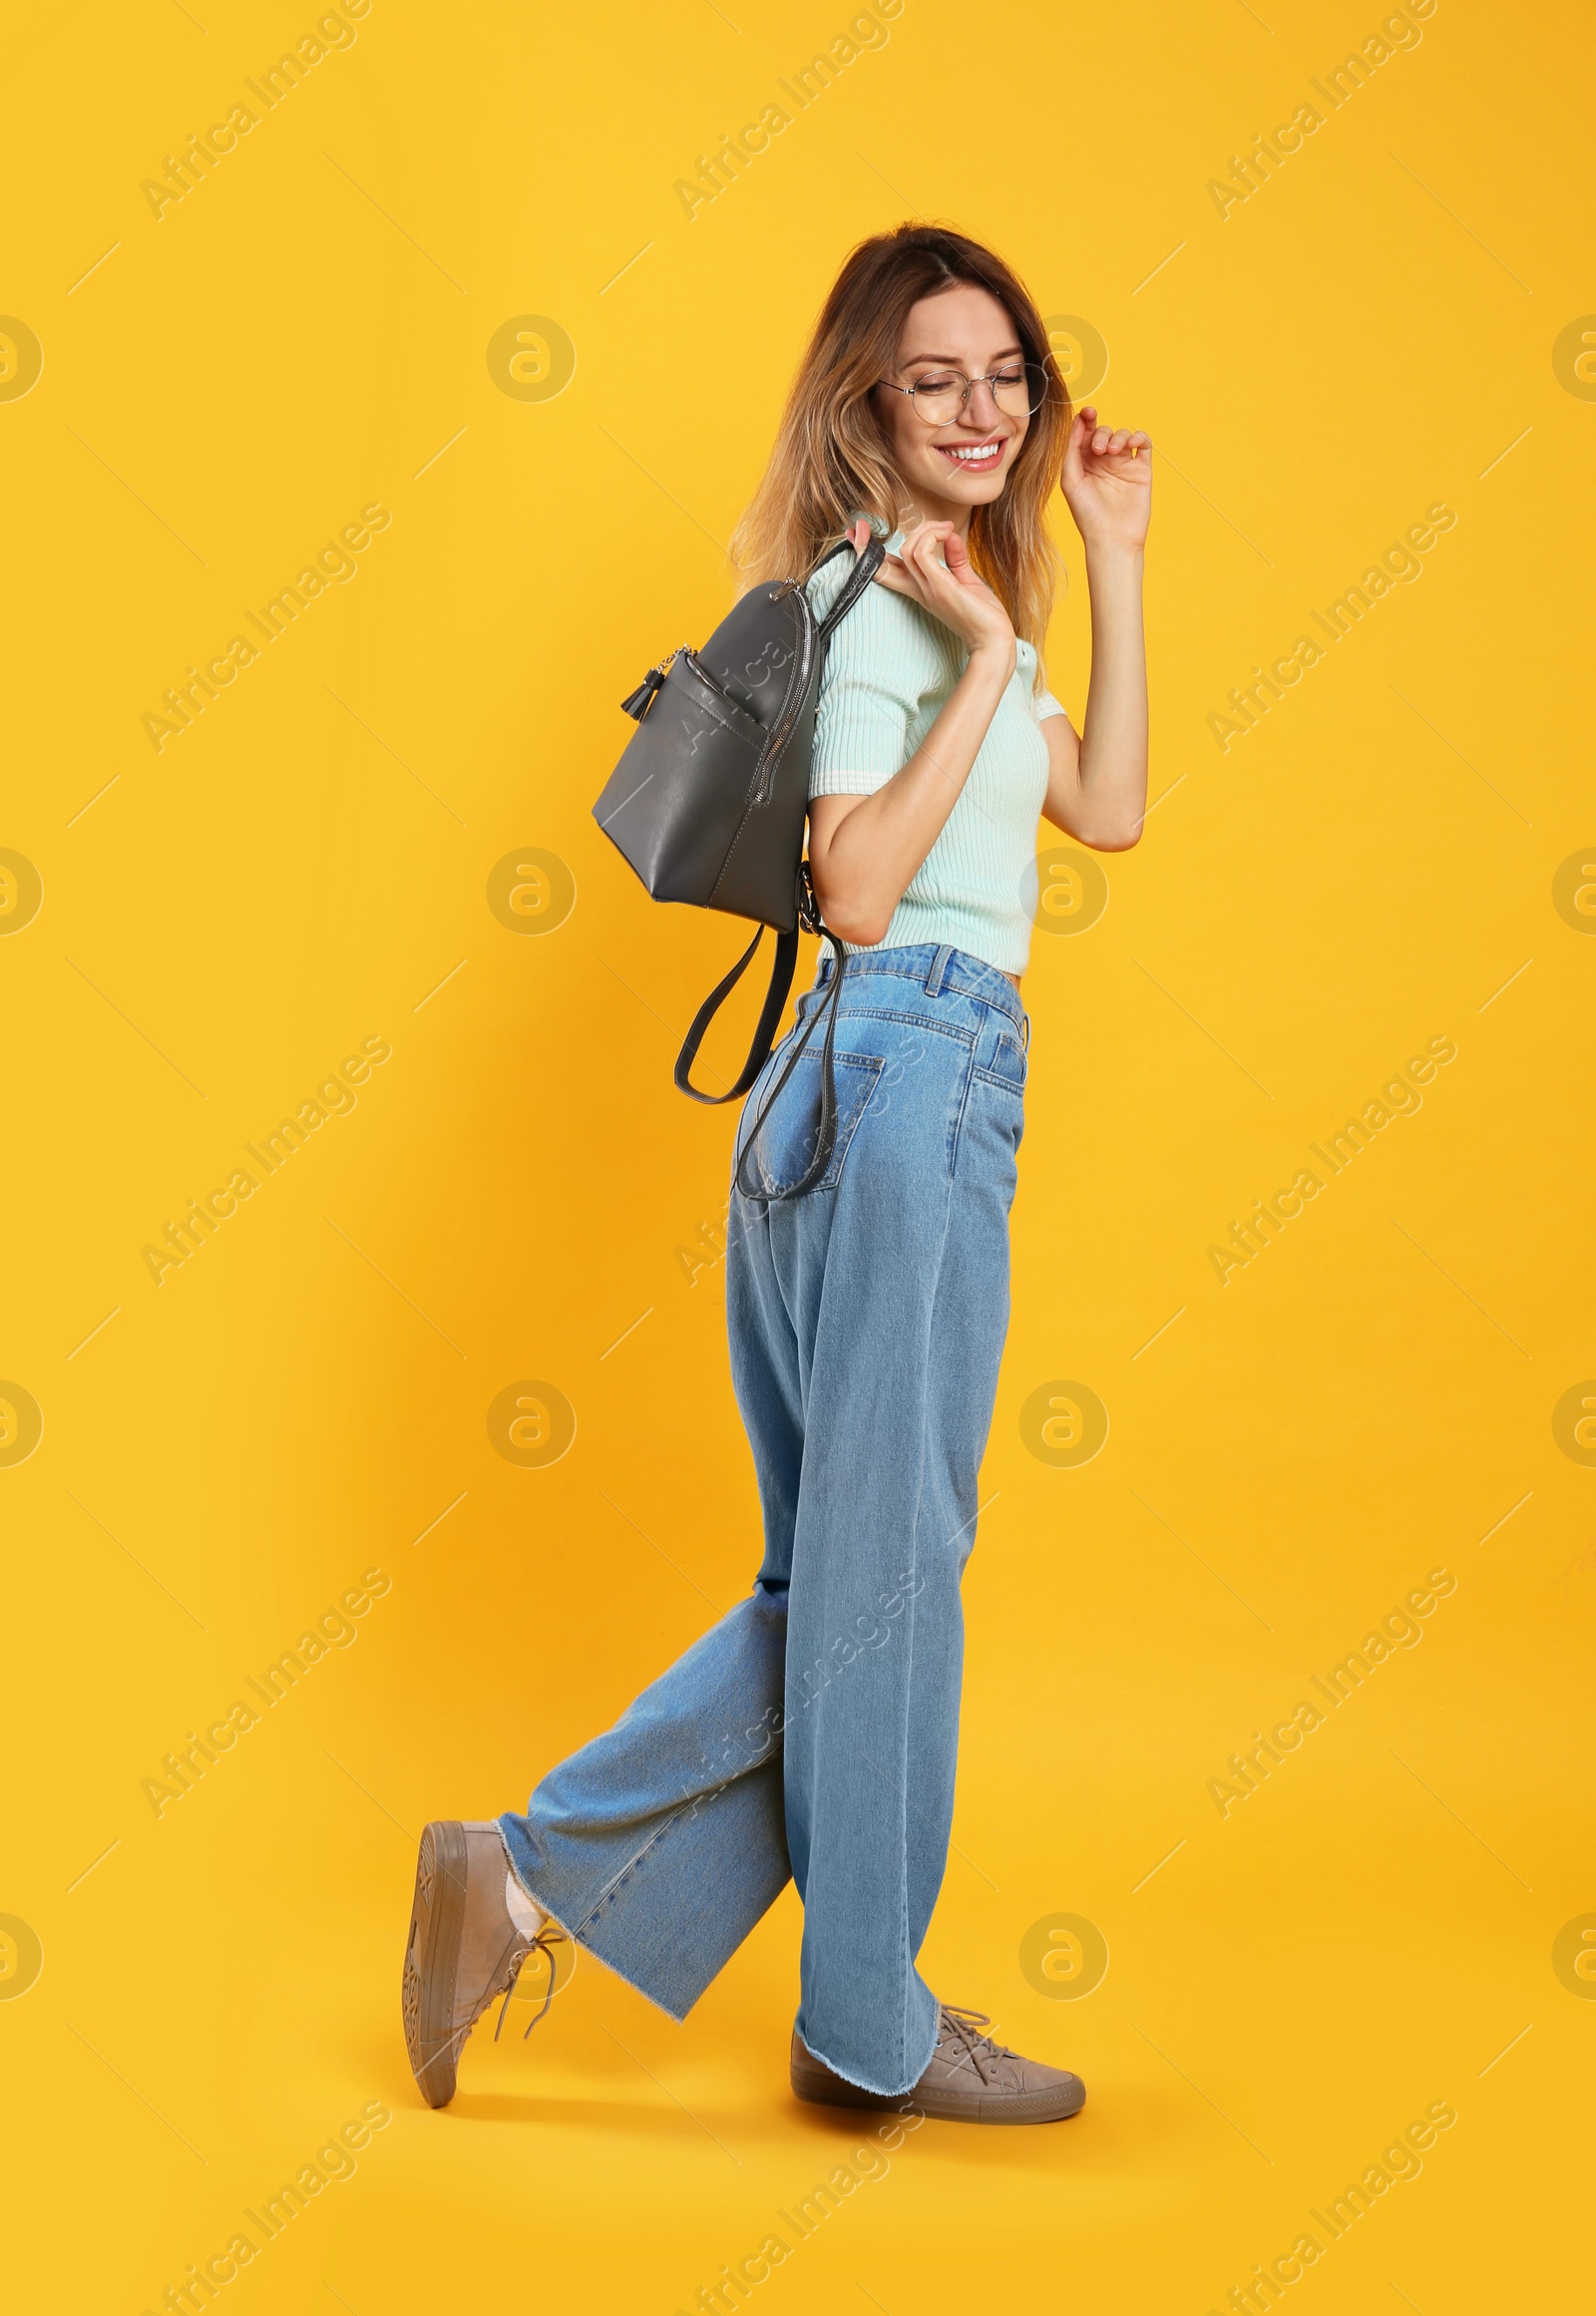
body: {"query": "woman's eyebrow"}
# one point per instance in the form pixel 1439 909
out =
pixel 952 361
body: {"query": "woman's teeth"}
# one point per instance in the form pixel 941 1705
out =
pixel 985 454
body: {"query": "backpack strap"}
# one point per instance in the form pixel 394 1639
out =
pixel 781 972
pixel 864 570
pixel 826 1124
pixel 866 565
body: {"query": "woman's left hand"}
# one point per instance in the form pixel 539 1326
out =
pixel 1108 482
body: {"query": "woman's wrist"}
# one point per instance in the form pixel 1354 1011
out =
pixel 994 660
pixel 1115 558
pixel 1114 586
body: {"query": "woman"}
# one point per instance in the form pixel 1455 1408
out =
pixel 814 1729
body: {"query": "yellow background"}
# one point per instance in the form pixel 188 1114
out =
pixel 304 334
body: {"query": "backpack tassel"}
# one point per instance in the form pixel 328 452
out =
pixel 638 703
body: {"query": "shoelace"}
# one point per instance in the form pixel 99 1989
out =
pixel 958 2027
pixel 548 1938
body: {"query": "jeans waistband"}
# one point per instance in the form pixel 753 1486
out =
pixel 937 967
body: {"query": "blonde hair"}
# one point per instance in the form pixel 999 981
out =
pixel 832 461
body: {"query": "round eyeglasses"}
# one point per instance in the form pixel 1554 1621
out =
pixel 943 396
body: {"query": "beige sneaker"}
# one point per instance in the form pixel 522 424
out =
pixel 465 1947
pixel 971 2079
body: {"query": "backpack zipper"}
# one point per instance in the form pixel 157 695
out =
pixel 781 731
pixel 777 735
pixel 714 684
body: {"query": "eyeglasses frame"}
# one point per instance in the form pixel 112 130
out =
pixel 969 385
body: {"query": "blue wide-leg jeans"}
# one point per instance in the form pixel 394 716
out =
pixel 815 1729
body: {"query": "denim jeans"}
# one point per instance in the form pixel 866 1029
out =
pixel 815 1729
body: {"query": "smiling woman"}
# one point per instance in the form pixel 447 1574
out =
pixel 866 1267
pixel 928 400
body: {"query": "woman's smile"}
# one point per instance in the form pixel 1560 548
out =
pixel 977 458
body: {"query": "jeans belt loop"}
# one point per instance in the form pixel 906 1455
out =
pixel 938 966
pixel 1025 1021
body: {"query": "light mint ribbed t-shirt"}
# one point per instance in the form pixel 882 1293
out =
pixel 890 670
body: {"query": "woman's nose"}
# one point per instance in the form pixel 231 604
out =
pixel 981 408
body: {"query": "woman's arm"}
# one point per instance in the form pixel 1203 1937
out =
pixel 864 850
pixel 1097 782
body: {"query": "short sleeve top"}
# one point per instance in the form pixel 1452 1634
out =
pixel 890 670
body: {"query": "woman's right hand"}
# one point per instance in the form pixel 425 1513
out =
pixel 933 568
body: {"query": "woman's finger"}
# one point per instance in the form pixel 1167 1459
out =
pixel 918 551
pixel 900 578
pixel 934 574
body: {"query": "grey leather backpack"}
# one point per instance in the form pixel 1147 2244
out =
pixel 707 805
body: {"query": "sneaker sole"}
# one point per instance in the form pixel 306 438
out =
pixel 1056 2103
pixel 432 1953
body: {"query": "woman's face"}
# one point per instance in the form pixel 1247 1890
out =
pixel 964 461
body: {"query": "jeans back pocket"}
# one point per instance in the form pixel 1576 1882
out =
pixel 785 1144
